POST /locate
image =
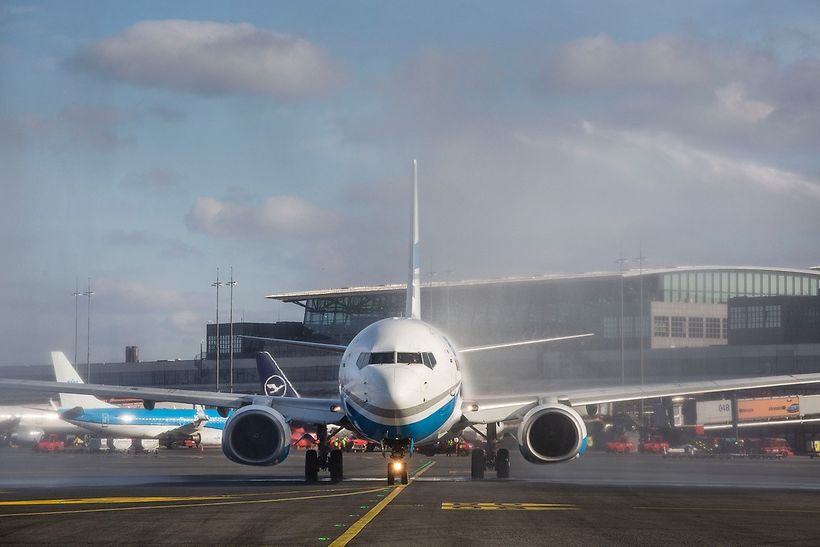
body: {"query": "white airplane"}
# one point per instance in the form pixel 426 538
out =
pixel 400 384
pixel 27 424
pixel 103 419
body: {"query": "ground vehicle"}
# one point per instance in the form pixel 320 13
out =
pixel 51 443
pixel 621 446
pixel 357 445
pixel 655 446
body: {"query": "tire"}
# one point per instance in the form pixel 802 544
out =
pixel 404 475
pixel 336 465
pixel 502 463
pixel 311 466
pixel 391 479
pixel 477 462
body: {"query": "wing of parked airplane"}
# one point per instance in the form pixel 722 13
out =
pixel 191 427
pixel 303 409
pixel 500 409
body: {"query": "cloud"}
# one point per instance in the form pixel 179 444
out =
pixel 210 58
pixel 166 247
pixel 276 216
pixel 710 167
pixel 599 63
pixel 736 104
pixel 716 95
pixel 94 126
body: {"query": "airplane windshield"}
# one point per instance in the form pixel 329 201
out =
pixel 382 357
pixel 409 358
pixel 388 357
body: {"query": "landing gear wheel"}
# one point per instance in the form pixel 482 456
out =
pixel 477 463
pixel 404 475
pixel 391 479
pixel 335 465
pixel 502 463
pixel 311 466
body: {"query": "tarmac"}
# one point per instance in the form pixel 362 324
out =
pixel 192 497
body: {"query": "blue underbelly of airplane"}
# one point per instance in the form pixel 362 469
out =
pixel 168 418
pixel 416 430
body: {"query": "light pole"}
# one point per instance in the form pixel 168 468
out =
pixel 231 284
pixel 640 259
pixel 76 294
pixel 621 262
pixel 88 293
pixel 217 284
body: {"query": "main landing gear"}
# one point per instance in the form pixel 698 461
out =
pixel 323 458
pixel 490 459
pixel 396 466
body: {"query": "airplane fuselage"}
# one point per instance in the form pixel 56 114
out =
pixel 139 423
pixel 400 380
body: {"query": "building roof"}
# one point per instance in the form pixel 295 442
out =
pixel 398 287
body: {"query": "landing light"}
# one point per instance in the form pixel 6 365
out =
pixel 397 466
pixel 336 408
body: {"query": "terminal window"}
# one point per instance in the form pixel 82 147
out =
pixel 772 317
pixel 696 327
pixel 755 317
pixel 678 327
pixel 662 325
pixel 712 327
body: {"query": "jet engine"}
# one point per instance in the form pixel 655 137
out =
pixel 256 435
pixel 551 433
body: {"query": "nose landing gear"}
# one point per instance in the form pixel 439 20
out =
pixel 396 469
pixel 396 464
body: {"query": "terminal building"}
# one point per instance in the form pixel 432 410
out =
pixel 655 325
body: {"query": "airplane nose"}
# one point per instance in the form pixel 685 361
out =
pixel 393 386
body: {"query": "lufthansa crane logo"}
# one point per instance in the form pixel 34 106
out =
pixel 275 385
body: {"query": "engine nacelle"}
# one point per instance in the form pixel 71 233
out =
pixel 552 433
pixel 256 435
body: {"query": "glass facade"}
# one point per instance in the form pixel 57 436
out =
pixel 717 286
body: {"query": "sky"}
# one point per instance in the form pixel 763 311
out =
pixel 144 145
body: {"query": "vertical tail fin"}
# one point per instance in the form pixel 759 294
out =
pixel 413 309
pixel 273 380
pixel 64 372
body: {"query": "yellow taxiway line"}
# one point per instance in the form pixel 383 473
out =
pixel 359 525
pixel 489 506
pixel 188 505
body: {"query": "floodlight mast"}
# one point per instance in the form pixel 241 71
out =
pixel 217 284
pixel 231 284
pixel 89 293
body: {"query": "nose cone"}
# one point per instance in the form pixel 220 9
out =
pixel 394 387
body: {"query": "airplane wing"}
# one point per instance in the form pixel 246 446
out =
pixel 303 409
pixel 190 428
pixel 333 348
pixel 523 343
pixel 496 409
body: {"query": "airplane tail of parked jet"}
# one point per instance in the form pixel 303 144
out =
pixel 273 380
pixel 64 372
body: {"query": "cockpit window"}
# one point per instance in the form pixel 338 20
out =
pixel 428 359
pixel 382 357
pixel 361 362
pixel 409 358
